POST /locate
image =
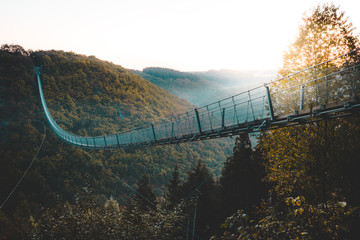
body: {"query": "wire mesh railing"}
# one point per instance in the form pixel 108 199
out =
pixel 333 81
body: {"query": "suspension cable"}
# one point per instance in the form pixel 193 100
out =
pixel 32 161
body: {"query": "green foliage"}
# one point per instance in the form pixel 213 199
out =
pixel 325 33
pixel 310 161
pixel 241 176
pixel 200 88
pixel 197 88
pixel 83 95
pixel 145 196
pixel 313 160
pixel 201 186
pixel 66 193
pixel 288 160
pixel 110 221
pixel 14 49
pixel 174 191
pixel 293 218
pixel 189 86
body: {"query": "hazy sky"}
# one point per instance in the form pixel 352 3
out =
pixel 188 35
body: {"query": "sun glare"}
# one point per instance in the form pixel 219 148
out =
pixel 185 35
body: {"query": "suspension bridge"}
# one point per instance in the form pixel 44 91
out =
pixel 326 90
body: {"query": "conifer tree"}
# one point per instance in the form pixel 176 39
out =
pixel 240 181
pixel 201 186
pixel 145 196
pixel 174 193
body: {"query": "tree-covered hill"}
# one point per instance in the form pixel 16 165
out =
pixel 200 88
pixel 86 96
pixel 189 86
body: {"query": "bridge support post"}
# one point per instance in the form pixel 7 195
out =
pixel 105 141
pixel 302 97
pixel 237 118
pixel 153 130
pixel 117 139
pixel 223 118
pixel 251 105
pixel 270 103
pixel 207 109
pixel 198 120
pixel 356 99
pixel 172 129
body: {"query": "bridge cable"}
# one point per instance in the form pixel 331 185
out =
pixel 32 161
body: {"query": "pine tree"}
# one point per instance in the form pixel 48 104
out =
pixel 145 196
pixel 174 192
pixel 240 181
pixel 201 186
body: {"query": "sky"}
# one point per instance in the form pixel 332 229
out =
pixel 187 35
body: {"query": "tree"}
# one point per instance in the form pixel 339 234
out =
pixel 309 165
pixel 312 161
pixel 105 222
pixel 301 160
pixel 174 193
pixel 201 186
pixel 15 49
pixel 145 196
pixel 240 181
pixel 61 171
pixel 324 34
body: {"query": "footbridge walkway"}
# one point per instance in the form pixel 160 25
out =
pixel 329 89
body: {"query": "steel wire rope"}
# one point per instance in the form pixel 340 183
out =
pixel 314 66
pixel 118 178
pixel 27 169
pixel 63 143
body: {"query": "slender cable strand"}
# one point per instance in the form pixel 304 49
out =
pixel 32 161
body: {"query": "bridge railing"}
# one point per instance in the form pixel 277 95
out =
pixel 333 81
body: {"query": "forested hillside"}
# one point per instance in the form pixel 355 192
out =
pixel 201 88
pixel 86 96
pixel 185 85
